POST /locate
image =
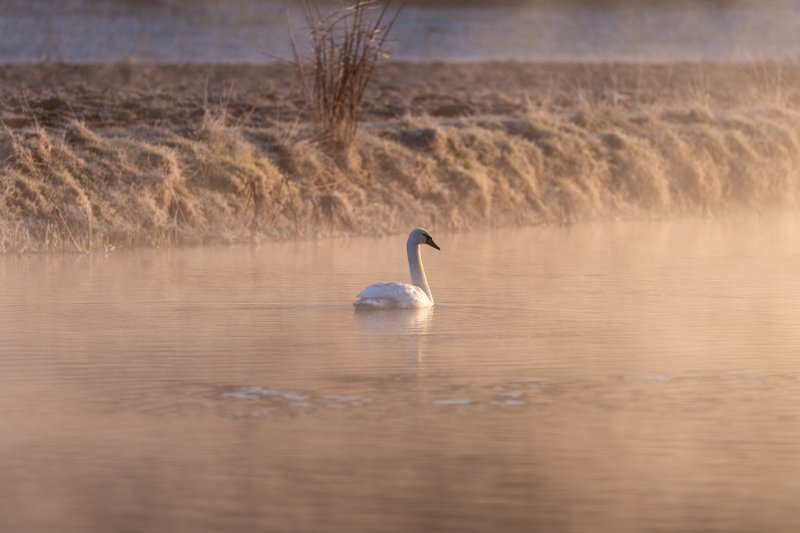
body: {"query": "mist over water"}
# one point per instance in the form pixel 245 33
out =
pixel 619 377
pixel 256 31
pixel 584 375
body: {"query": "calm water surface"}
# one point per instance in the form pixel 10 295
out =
pixel 608 377
pixel 257 30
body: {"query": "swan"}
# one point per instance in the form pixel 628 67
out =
pixel 402 295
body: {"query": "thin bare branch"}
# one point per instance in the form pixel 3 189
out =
pixel 345 46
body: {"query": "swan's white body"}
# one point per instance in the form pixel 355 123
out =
pixel 392 294
pixel 402 295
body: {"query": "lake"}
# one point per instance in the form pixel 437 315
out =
pixel 620 376
pixel 257 30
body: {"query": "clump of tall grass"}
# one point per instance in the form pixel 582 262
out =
pixel 345 47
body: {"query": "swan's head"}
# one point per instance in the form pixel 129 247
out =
pixel 422 236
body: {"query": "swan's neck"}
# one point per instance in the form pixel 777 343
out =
pixel 415 266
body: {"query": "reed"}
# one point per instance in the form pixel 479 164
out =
pixel 345 47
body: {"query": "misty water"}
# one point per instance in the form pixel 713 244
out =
pixel 637 376
pixel 257 30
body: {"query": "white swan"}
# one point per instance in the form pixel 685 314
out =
pixel 403 295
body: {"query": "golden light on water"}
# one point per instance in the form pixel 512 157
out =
pixel 614 189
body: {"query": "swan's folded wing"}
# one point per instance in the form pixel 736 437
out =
pixel 392 295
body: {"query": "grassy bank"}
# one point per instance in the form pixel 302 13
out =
pixel 96 157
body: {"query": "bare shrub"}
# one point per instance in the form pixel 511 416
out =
pixel 346 45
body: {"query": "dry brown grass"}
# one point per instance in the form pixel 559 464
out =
pixel 564 155
pixel 80 189
pixel 346 46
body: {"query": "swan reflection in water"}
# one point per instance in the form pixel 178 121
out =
pixel 401 311
pixel 406 329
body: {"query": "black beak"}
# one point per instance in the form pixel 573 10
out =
pixel 430 242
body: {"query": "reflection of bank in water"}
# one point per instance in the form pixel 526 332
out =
pixel 399 327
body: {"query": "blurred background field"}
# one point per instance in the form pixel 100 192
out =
pixel 254 30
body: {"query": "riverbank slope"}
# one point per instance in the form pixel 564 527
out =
pixel 104 156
